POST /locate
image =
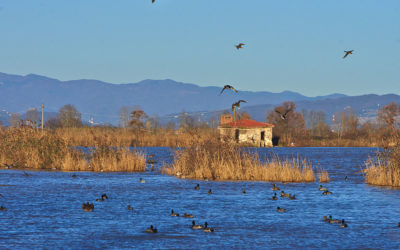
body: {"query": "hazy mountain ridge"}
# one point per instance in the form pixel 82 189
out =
pixel 103 100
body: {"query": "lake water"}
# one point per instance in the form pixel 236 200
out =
pixel 44 208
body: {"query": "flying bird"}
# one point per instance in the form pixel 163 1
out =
pixel 283 116
pixel 239 46
pixel 348 52
pixel 228 87
pixel 237 104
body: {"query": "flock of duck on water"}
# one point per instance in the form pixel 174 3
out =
pixel 89 207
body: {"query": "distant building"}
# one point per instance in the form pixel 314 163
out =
pixel 247 132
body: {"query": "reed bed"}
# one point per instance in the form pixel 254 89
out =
pixel 384 169
pixel 120 137
pixel 30 148
pixel 323 176
pixel 225 162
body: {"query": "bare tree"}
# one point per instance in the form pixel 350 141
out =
pixel 68 116
pixel 137 119
pixel 124 113
pixel 32 116
pixel 289 124
pixel 15 120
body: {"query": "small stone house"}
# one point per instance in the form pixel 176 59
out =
pixel 248 132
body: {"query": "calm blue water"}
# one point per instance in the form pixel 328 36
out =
pixel 44 209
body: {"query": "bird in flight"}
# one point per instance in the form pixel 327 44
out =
pixel 239 46
pixel 283 116
pixel 237 104
pixel 348 52
pixel 228 87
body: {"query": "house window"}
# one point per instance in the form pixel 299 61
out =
pixel 262 135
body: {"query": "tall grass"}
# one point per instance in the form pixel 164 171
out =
pixel 323 176
pixel 384 169
pixel 120 137
pixel 35 149
pixel 217 161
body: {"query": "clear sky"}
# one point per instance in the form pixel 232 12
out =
pixel 292 45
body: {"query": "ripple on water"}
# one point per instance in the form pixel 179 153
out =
pixel 44 209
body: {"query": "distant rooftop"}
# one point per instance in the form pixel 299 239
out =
pixel 247 123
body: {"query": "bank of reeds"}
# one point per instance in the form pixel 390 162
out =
pixel 323 176
pixel 224 162
pixel 29 148
pixel 120 137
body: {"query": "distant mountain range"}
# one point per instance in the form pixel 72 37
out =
pixel 164 98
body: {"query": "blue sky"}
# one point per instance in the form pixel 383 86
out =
pixel 290 45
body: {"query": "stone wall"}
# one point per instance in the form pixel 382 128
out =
pixel 250 136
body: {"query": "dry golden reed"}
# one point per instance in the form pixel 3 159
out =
pixel 217 161
pixel 323 176
pixel 35 149
pixel 119 137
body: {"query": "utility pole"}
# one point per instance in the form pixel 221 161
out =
pixel 42 116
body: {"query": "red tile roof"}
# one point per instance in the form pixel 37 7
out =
pixel 246 124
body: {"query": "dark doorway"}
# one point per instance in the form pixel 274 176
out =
pixel 262 135
pixel 237 135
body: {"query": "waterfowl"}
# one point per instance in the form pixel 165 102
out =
pixel 347 52
pixel 343 224
pixel 321 188
pixel 325 218
pixel 243 191
pixel 239 46
pixel 283 194
pixel 130 207
pixel 398 224
pixel 74 176
pixel 141 180
pixel 99 199
pixel 197 187
pixel 283 115
pixel 237 104
pixel 326 192
pixel 188 215
pixel 275 188
pixel 3 208
pixel 333 221
pixel 173 213
pixel 88 207
pixel 274 197
pixel 209 191
pixel 104 196
pixel 345 178
pixel 208 229
pixel 228 87
pixel 151 229
pixel 292 197
pixel 196 227
pixel 281 210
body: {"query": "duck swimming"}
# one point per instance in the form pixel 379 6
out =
pixel 174 214
pixel 141 180
pixel 283 194
pixel 321 188
pixel 196 227
pixel 188 215
pixel 130 207
pixel 151 229
pixel 208 229
pixel 197 187
pixel 209 191
pixel 281 210
pixel 274 197
pixel 3 208
pixel 343 224
pixel 275 188
pixel 326 192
